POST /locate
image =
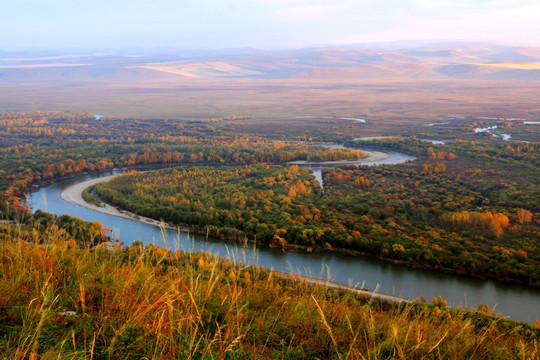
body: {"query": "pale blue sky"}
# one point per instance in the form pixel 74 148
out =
pixel 94 24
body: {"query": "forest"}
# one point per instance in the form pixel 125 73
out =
pixel 42 147
pixel 421 213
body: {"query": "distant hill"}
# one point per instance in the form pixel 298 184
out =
pixel 468 61
pixel 214 82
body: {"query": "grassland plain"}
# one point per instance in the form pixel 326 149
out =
pixel 389 86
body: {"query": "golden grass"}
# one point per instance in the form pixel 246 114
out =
pixel 157 304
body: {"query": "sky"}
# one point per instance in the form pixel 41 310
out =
pixel 265 24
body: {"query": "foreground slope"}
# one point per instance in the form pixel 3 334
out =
pixel 60 301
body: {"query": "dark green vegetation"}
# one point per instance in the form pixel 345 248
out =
pixel 434 213
pixel 59 301
pixel 152 303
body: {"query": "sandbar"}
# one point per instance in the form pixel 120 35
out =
pixel 373 156
pixel 73 195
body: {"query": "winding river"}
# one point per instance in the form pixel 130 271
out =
pixel 515 302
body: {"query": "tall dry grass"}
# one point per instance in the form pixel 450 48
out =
pixel 61 302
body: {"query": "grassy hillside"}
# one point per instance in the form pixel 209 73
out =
pixel 60 301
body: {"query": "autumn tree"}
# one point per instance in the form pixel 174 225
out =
pixel 524 216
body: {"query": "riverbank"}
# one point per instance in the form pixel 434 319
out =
pixel 371 294
pixel 73 195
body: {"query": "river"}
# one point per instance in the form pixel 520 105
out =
pixel 515 302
